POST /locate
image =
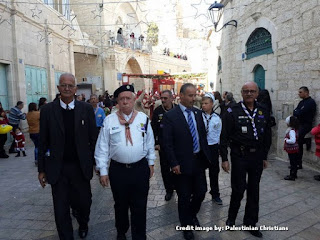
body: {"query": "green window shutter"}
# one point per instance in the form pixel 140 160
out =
pixel 259 43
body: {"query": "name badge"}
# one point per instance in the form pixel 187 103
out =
pixel 244 129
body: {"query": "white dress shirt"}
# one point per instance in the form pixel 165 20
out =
pixel 111 143
pixel 64 106
pixel 215 126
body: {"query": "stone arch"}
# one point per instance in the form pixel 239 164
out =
pixel 268 61
pixel 133 67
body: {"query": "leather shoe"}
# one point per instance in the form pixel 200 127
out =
pixel 168 196
pixel 188 235
pixel 230 223
pixel 290 178
pixel 121 236
pixel 83 232
pixel 317 177
pixel 74 213
pixel 256 233
pixel 196 222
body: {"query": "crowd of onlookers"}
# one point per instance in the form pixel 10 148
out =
pixel 167 52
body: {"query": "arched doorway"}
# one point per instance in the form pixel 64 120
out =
pixel 259 76
pixel 133 67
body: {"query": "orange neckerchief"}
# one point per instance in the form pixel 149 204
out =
pixel 127 123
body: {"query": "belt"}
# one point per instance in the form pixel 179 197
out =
pixel 248 149
pixel 128 165
pixel 197 155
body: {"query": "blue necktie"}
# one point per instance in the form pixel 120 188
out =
pixel 192 130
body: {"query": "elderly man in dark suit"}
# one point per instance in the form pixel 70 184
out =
pixel 68 135
pixel 186 147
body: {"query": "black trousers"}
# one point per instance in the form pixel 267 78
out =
pixel 3 139
pixel 71 190
pixel 130 187
pixel 191 191
pixel 303 130
pixel 293 163
pixel 214 170
pixel 243 165
pixel 167 175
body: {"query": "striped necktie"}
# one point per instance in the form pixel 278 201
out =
pixel 192 130
pixel 67 107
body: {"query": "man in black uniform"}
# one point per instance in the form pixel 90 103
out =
pixel 305 112
pixel 246 129
pixel 166 99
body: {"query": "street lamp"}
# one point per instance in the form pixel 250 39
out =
pixel 215 13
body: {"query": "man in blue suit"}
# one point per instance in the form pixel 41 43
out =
pixel 186 148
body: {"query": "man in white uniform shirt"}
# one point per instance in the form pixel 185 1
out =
pixel 125 155
pixel 213 126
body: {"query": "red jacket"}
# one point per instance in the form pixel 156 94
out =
pixel 316 132
pixel 4 120
pixel 20 140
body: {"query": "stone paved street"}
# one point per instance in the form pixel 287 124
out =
pixel 26 209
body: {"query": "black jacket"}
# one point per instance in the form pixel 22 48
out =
pixel 237 130
pixel 156 123
pixel 52 137
pixel 305 111
pixel 178 142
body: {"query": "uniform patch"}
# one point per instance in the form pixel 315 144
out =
pixel 261 116
pixel 260 112
pixel 114 128
pixel 229 110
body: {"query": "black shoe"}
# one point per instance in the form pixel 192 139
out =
pixel 230 223
pixel 188 235
pixel 121 236
pixel 83 232
pixel 255 233
pixel 4 156
pixel 196 222
pixel 168 196
pixel 18 155
pixel 290 178
pixel 217 200
pixel 13 151
pixel 317 177
pixel 24 153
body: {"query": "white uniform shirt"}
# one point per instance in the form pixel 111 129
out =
pixel 111 143
pixel 214 130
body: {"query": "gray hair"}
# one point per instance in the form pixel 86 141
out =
pixel 167 91
pixel 67 75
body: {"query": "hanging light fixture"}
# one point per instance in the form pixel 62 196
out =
pixel 215 13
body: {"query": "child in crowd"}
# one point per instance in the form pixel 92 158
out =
pixel 3 137
pixel 291 146
pixel 20 141
pixel 316 132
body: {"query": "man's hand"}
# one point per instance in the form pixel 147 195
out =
pixel 265 164
pixel 225 166
pixel 157 147
pixel 151 170
pixel 176 170
pixel 104 181
pixel 42 179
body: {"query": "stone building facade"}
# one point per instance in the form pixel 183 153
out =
pixel 276 44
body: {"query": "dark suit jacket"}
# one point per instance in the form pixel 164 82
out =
pixel 52 137
pixel 177 140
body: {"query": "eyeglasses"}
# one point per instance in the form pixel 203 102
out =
pixel 248 91
pixel 65 86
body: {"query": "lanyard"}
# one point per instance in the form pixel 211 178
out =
pixel 255 132
pixel 208 120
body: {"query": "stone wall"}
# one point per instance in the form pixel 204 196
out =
pixel 294 62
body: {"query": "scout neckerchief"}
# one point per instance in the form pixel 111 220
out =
pixel 255 132
pixel 127 123
pixel 208 120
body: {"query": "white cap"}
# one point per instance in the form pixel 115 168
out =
pixel 210 95
pixel 288 120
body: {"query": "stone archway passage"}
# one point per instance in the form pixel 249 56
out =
pixel 133 67
pixel 259 76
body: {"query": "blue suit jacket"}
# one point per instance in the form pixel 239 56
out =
pixel 178 143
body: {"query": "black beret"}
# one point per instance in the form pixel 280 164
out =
pixel 123 88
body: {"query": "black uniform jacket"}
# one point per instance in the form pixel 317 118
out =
pixel 237 130
pixel 178 142
pixel 156 123
pixel 52 137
